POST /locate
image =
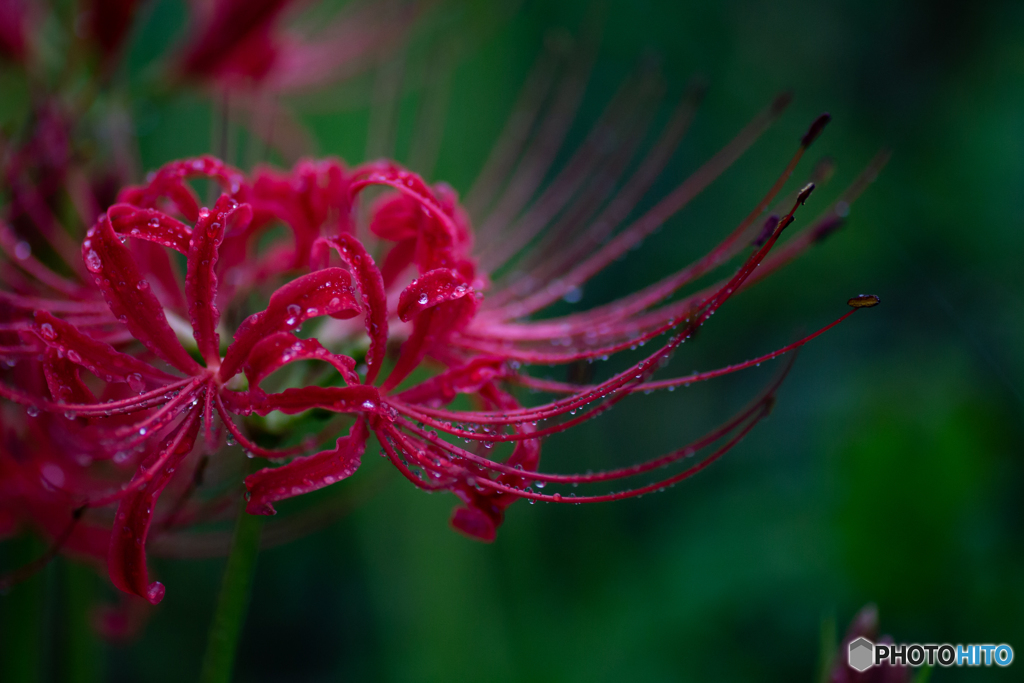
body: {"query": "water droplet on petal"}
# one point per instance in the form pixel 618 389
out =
pixel 136 383
pixel 93 262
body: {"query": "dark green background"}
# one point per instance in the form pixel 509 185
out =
pixel 890 471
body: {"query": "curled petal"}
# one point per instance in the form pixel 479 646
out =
pixel 129 296
pixel 371 286
pixel 151 225
pixel 303 475
pixel 168 182
pixel 468 378
pixel 281 348
pixel 475 523
pixel 432 328
pixel 324 292
pixel 355 399
pixel 440 228
pixel 436 287
pixel 98 358
pixel 201 278
pixel 62 378
pixel 126 560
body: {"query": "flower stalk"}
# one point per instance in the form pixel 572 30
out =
pixel 233 601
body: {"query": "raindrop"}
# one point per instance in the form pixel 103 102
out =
pixel 93 262
pixel 22 250
pixel 47 331
pixel 32 411
pixel 423 299
pixel 136 383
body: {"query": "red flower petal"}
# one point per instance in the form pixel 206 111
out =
pixel 129 296
pixel 303 475
pixel 435 287
pixel 63 380
pixel 201 278
pixel 324 292
pixel 235 39
pixel 151 225
pixel 355 399
pixel 430 332
pixel 371 287
pixel 126 560
pixel 281 348
pixel 468 378
pixel 169 182
pixel 397 218
pixel 474 523
pixel 98 358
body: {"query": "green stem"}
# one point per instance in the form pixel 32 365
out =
pixel 21 614
pixel 233 602
pixel 83 653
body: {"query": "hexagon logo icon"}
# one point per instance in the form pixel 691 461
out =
pixel 861 654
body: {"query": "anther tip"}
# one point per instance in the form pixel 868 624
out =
pixel 815 130
pixel 805 193
pixel 864 301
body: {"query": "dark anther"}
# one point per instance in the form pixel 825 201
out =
pixel 815 130
pixel 864 301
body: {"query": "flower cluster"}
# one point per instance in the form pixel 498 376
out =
pixel 132 367
pixel 361 301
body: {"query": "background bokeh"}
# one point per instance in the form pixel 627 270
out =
pixel 890 471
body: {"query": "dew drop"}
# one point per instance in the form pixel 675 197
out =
pixel 136 383
pixel 93 262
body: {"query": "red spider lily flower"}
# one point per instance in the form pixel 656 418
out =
pixel 235 42
pixel 139 367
